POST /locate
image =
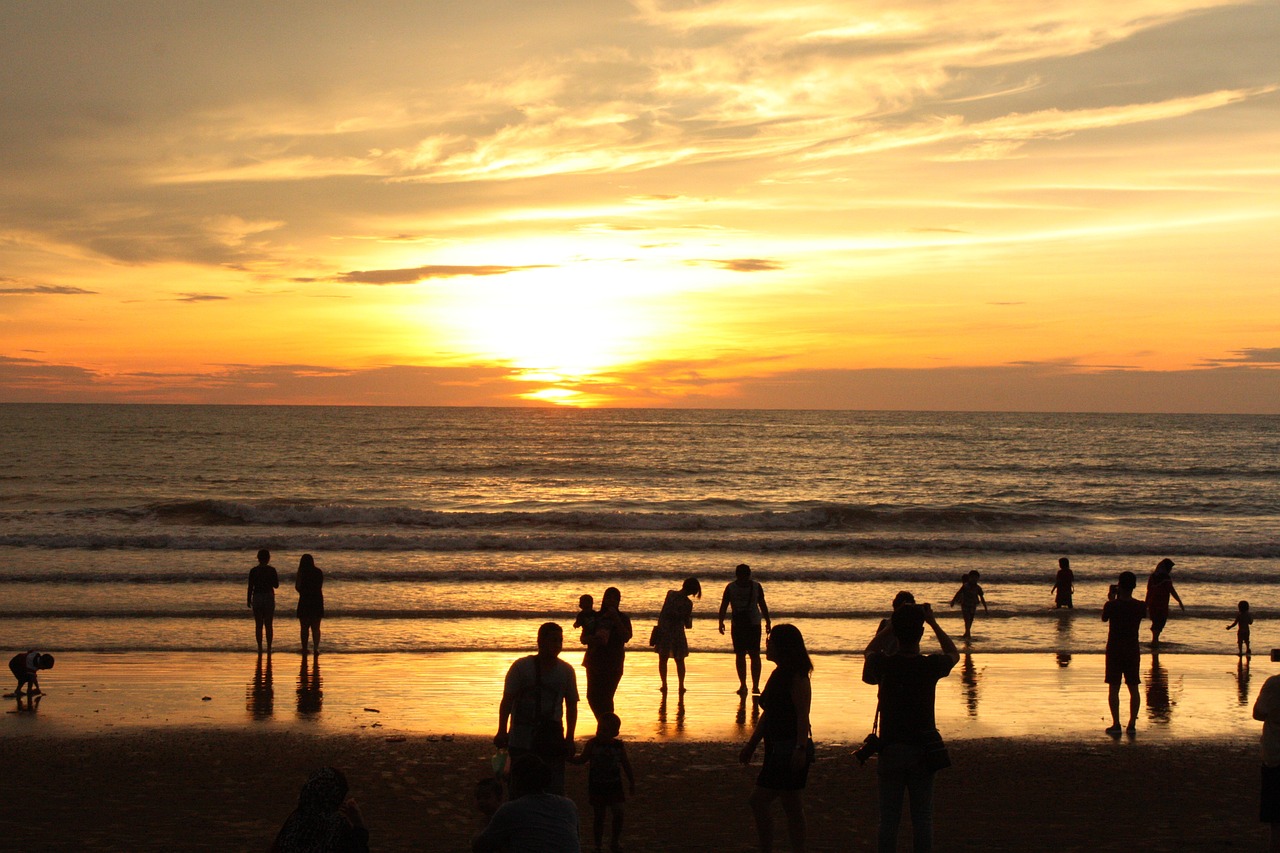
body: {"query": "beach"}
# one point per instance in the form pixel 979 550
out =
pixel 126 752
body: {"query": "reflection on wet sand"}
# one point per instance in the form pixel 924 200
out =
pixel 740 719
pixel 1065 624
pixel 310 696
pixel 259 697
pixel 30 706
pixel 664 728
pixel 969 680
pixel 1242 680
pixel 1159 704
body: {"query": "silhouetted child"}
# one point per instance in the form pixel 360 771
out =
pixel 489 796
pixel 586 619
pixel 1242 623
pixel 969 596
pixel 606 760
pixel 24 667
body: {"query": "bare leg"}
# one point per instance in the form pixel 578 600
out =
pixel 268 626
pixel 794 807
pixel 1113 701
pixel 597 826
pixel 257 630
pixel 304 638
pixel 760 801
pixel 740 661
pixel 315 638
pixel 618 813
pixel 755 673
pixel 662 670
pixel 1135 702
pixel 680 672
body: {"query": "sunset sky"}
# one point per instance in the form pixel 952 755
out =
pixel 729 203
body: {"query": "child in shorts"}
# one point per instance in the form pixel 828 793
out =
pixel 1242 623
pixel 24 667
pixel 586 619
pixel 606 760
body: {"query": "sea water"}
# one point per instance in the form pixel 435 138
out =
pixel 133 528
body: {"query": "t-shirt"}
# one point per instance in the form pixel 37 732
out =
pixel 609 655
pixel 1124 616
pixel 534 823
pixel 744 601
pixel 1159 588
pixel 559 684
pixel 263 581
pixel 908 684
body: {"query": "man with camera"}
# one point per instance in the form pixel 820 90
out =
pixel 911 749
pixel 1125 614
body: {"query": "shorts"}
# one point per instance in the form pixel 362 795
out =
pixel 1270 811
pixel 18 666
pixel 746 636
pixel 608 793
pixel 777 774
pixel 1122 665
pixel 265 611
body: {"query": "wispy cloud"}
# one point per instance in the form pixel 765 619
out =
pixel 426 273
pixel 9 287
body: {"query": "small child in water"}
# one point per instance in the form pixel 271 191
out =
pixel 606 760
pixel 586 616
pixel 24 667
pixel 1242 623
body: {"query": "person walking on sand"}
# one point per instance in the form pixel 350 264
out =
pixel 912 750
pixel 746 598
pixel 610 631
pixel 784 728
pixel 1241 624
pixel 263 583
pixel 1124 614
pixel 310 587
pixel 535 819
pixel 1267 711
pixel 25 667
pixel 969 595
pixel 607 762
pixel 1064 585
pixel 669 638
pixel 536 688
pixel 1159 591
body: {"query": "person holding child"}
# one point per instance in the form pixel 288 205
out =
pixel 606 760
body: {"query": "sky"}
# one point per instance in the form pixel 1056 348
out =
pixel 994 205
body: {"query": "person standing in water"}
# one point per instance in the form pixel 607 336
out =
pixel 1159 591
pixel 969 596
pixel 746 597
pixel 263 583
pixel 1124 613
pixel 310 587
pixel 669 637
pixel 1064 585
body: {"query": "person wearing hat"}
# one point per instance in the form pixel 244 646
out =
pixel 1159 591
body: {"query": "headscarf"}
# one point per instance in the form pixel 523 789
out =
pixel 317 825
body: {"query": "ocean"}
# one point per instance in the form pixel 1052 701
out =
pixel 133 527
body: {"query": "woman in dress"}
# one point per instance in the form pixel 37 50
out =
pixel 675 617
pixel 784 728
pixel 310 587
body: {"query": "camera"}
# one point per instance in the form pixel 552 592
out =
pixel 871 745
pixel 1275 655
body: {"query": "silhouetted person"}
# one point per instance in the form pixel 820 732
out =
pixel 911 746
pixel 326 819
pixel 263 583
pixel 586 618
pixel 1159 591
pixel 606 653
pixel 607 762
pixel 1267 710
pixel 25 667
pixel 1123 657
pixel 746 598
pixel 310 587
pixel 534 820
pixel 784 727
pixel 1064 584
pixel 537 687
pixel 969 596
pixel 676 615
pixel 1242 622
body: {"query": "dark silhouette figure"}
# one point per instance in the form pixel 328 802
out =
pixel 535 690
pixel 1159 591
pixel 263 583
pixel 585 620
pixel 325 819
pixel 607 762
pixel 912 750
pixel 534 817
pixel 969 596
pixel 1064 584
pixel 1125 614
pixel 310 587
pixel 260 697
pixel 25 667
pixel 669 637
pixel 606 653
pixel 784 728
pixel 746 599
pixel 1242 622
pixel 1267 711
pixel 310 692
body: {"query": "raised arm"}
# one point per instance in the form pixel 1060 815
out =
pixel 948 645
